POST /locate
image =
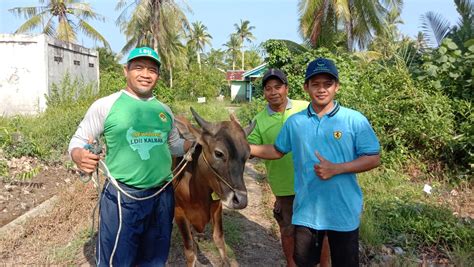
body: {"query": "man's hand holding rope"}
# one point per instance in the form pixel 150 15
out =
pixel 85 160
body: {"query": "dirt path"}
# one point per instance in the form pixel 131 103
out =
pixel 62 236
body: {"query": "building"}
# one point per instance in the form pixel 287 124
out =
pixel 241 86
pixel 30 65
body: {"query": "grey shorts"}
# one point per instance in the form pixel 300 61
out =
pixel 282 212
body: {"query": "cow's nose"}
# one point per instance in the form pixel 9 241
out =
pixel 239 200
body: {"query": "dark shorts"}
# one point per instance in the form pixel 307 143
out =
pixel 344 247
pixel 282 212
pixel 137 232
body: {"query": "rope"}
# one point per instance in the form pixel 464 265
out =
pixel 102 166
pixel 216 174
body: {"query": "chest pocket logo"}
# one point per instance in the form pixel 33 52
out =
pixel 337 135
pixel 163 117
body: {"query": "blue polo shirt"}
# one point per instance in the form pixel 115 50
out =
pixel 341 135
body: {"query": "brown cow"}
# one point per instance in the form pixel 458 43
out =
pixel 217 166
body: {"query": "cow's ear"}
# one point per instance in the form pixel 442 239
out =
pixel 234 118
pixel 250 127
pixel 185 128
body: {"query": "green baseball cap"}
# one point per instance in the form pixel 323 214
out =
pixel 144 52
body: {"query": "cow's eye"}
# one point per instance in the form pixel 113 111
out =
pixel 218 154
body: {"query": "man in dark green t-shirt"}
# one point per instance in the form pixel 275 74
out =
pixel 279 172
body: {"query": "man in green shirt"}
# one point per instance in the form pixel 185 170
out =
pixel 136 212
pixel 279 172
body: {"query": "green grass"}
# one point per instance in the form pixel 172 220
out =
pixel 211 111
pixel 69 252
pixel 398 213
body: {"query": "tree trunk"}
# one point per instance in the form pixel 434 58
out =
pixel 243 59
pixel 171 77
pixel 349 32
pixel 198 59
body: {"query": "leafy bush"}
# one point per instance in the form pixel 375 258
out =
pixel 449 71
pixel 192 83
pixel 111 82
pixel 211 111
pixel 14 141
pixel 247 112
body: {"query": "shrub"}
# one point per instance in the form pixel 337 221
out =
pixel 448 71
pixel 192 83
pixel 247 111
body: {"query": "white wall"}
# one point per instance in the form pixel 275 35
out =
pixel 23 81
pixel 61 58
pixel 28 70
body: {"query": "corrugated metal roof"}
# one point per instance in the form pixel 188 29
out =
pixel 234 75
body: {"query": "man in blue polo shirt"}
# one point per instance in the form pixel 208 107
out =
pixel 330 144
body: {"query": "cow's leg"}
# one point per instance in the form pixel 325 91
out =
pixel 190 250
pixel 218 230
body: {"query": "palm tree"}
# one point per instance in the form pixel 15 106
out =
pixel 322 19
pixel 387 41
pixel 198 38
pixel 245 34
pixel 215 58
pixel 233 46
pixel 436 28
pixel 173 54
pixel 144 22
pixel 60 19
pixel 254 58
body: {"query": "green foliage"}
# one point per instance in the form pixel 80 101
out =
pixel 67 253
pixel 192 83
pixel 13 140
pixel 449 71
pixel 211 111
pixel 28 175
pixel 69 91
pixel 411 224
pixel 108 61
pixel 164 93
pixel 409 121
pixel 398 213
pixel 111 82
pixel 247 111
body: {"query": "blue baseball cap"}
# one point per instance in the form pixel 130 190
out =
pixel 144 52
pixel 321 65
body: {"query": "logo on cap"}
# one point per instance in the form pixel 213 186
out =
pixel 144 51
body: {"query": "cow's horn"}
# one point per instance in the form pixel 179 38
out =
pixel 202 122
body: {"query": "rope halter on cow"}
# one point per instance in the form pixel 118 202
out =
pixel 215 172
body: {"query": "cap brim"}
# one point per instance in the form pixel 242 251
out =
pixel 322 72
pixel 265 80
pixel 150 57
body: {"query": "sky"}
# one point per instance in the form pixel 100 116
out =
pixel 272 19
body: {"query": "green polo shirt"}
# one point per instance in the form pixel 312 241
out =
pixel 280 172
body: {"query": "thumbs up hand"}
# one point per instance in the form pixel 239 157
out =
pixel 325 169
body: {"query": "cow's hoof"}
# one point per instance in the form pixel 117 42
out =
pixel 199 237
